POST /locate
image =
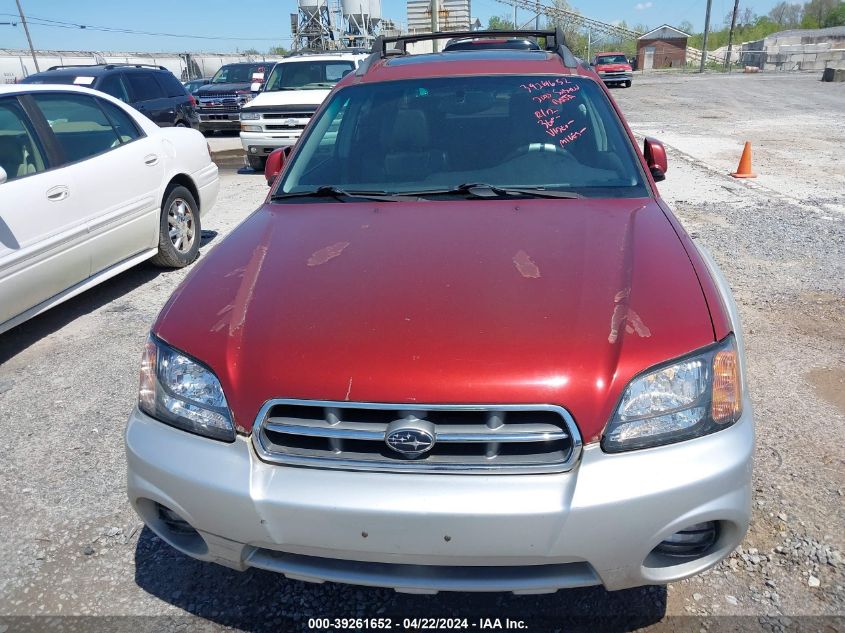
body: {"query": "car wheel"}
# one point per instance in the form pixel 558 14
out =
pixel 179 229
pixel 627 84
pixel 256 162
pixel 181 124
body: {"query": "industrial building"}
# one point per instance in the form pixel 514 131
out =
pixel 663 47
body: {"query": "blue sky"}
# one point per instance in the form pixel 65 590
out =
pixel 263 23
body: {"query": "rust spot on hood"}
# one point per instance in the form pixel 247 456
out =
pixel 525 265
pixel 325 254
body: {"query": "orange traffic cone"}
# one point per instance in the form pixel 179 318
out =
pixel 744 169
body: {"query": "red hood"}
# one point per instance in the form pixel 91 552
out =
pixel 612 68
pixel 535 301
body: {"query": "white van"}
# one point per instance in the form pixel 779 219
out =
pixel 292 93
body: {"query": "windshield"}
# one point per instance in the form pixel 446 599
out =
pixel 611 59
pixel 308 75
pixel 424 135
pixel 239 74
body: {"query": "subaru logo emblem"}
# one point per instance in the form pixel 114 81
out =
pixel 410 438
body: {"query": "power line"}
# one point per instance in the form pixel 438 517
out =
pixel 36 21
pixel 28 38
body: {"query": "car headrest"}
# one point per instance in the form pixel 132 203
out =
pixel 410 131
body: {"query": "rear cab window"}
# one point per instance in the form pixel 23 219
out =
pixel 423 135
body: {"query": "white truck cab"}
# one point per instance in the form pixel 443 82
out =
pixel 293 92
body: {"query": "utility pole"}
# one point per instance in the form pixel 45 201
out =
pixel 706 33
pixel 28 38
pixel 514 15
pixel 731 35
pixel 537 17
pixel 435 11
pixel 589 43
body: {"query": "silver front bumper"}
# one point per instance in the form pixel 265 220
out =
pixel 596 524
pixel 262 143
pixel 617 76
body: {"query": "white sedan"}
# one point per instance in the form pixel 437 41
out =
pixel 88 188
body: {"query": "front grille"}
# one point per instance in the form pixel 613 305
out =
pixel 285 128
pixel 287 115
pixel 219 102
pixel 462 438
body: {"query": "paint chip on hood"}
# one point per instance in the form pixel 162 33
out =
pixel 525 265
pixel 325 254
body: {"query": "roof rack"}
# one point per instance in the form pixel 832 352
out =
pixel 107 66
pixel 555 41
pixel 156 66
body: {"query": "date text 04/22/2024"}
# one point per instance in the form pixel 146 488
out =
pixel 417 624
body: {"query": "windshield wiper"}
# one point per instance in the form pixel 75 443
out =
pixel 328 191
pixel 482 190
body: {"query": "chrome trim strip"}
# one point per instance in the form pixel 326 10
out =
pixel 410 466
pixel 453 433
pixel 324 431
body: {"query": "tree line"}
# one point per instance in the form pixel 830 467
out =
pixel 750 26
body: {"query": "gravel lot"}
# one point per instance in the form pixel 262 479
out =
pixel 71 545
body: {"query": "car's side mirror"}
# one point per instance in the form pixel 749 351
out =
pixel 655 158
pixel 255 86
pixel 275 163
pixel 3 176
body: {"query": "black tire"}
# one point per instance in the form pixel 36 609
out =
pixel 256 162
pixel 627 84
pixel 207 132
pixel 179 214
pixel 180 123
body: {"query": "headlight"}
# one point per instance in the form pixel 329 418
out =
pixel 183 393
pixel 689 398
pixel 250 128
pixel 250 116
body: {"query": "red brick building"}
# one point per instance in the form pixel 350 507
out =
pixel 663 47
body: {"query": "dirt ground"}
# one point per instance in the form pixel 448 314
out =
pixel 71 545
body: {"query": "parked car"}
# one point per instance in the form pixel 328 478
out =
pixel 293 92
pixel 463 345
pixel 490 42
pixel 152 90
pixel 194 85
pixel 614 69
pixel 88 188
pixel 221 99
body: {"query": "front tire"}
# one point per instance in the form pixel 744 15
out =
pixel 179 229
pixel 256 162
pixel 627 84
